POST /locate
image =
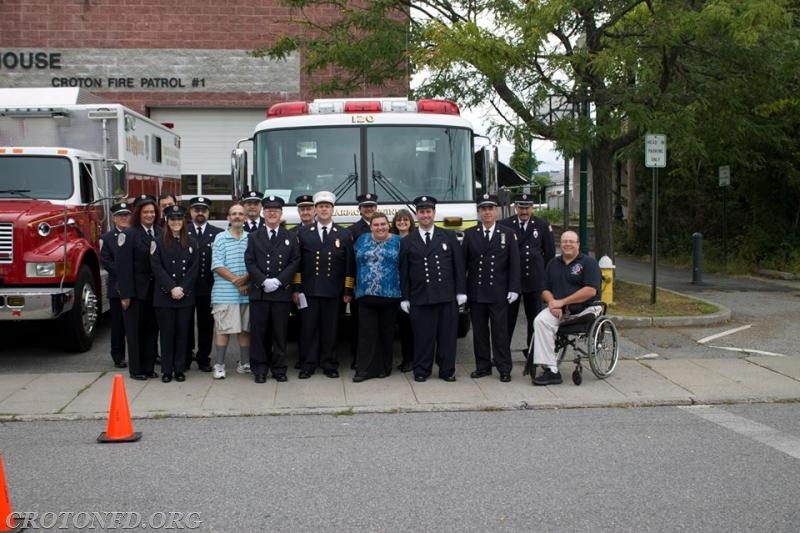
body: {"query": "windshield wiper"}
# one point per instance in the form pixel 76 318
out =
pixel 19 192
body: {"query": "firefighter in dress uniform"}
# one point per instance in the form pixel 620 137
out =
pixel 252 210
pixel 174 260
pixel 433 285
pixel 536 249
pixel 325 279
pixel 135 282
pixel 272 258
pixel 120 214
pixel 204 234
pixel 491 256
pixel 306 212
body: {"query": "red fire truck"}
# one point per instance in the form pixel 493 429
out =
pixel 65 157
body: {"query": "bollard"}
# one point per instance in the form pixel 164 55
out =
pixel 607 274
pixel 697 258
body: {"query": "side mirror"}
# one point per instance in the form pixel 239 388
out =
pixel 490 168
pixel 119 178
pixel 239 171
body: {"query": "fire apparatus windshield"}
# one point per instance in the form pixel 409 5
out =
pixel 416 160
pixel 38 177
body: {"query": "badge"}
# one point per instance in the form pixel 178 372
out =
pixel 287 242
pixel 101 244
pixel 444 246
pixel 152 247
pixel 190 249
pixel 536 234
pixel 502 239
pixel 121 239
pixel 337 243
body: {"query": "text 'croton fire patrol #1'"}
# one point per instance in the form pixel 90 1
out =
pixel 65 158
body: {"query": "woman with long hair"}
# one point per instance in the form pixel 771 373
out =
pixel 402 224
pixel 175 264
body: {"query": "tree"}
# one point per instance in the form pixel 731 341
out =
pixel 523 160
pixel 633 64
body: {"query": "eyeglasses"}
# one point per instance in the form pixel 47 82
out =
pixel 569 242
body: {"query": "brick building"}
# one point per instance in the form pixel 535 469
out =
pixel 179 62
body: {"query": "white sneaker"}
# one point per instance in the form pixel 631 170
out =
pixel 243 368
pixel 219 371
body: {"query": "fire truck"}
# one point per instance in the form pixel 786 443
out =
pixel 65 157
pixel 394 147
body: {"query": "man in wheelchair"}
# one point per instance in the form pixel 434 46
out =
pixel 572 285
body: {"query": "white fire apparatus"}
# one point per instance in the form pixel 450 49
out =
pixel 65 157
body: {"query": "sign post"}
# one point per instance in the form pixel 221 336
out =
pixel 724 182
pixel 655 157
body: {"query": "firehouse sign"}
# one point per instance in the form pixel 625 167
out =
pixel 145 69
pixel 655 150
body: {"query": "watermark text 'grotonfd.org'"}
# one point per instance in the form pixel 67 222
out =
pixel 102 520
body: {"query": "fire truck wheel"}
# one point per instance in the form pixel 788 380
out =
pixel 78 327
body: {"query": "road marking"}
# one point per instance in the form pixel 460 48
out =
pixel 648 356
pixel 747 350
pixel 724 333
pixel 778 440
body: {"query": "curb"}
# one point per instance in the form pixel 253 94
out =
pixel 723 314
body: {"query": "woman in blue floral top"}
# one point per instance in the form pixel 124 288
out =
pixel 378 294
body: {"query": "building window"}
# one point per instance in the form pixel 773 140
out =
pixel 189 185
pixel 217 184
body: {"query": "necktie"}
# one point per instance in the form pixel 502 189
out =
pixel 272 235
pixel 486 233
pixel 199 231
pixel 252 226
pixel 427 237
pixel 149 234
pixel 324 232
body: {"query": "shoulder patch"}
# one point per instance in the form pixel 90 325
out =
pixel 121 239
pixel 153 247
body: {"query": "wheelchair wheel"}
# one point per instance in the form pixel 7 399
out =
pixel 603 347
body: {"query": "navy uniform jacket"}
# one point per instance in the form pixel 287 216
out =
pixel 327 269
pixel 205 278
pixel 492 267
pixel 536 249
pixel 247 221
pixel 433 273
pixel 132 263
pixel 108 253
pixel 358 229
pixel 266 259
pixel 174 266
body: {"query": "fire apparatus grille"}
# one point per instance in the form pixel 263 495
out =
pixel 6 243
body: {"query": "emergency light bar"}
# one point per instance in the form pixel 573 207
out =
pixel 387 105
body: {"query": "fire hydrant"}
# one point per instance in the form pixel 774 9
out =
pixel 607 274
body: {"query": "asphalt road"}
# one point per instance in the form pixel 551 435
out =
pixel 711 469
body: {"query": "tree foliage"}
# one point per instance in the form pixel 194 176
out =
pixel 717 76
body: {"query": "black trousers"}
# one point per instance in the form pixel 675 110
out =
pixel 201 316
pixel 355 330
pixel 435 329
pixel 269 327
pixel 490 336
pixel 406 338
pixel 533 304
pixel 117 330
pixel 318 323
pixel 376 335
pixel 141 332
pixel 174 325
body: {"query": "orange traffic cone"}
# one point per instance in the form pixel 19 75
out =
pixel 6 514
pixel 120 427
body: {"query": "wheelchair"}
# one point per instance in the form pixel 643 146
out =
pixel 592 337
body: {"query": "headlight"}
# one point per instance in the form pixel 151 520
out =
pixel 40 270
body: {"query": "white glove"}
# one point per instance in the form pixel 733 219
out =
pixel 405 305
pixel 271 285
pixel 461 299
pixel 512 297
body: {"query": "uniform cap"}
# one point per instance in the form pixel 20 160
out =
pixel 488 200
pixel 425 201
pixel 200 201
pixel 252 196
pixel 523 200
pixel 144 199
pixel 122 208
pixel 272 201
pixel 304 200
pixel 324 197
pixel 369 198
pixel 174 211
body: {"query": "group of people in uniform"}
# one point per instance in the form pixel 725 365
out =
pixel 248 280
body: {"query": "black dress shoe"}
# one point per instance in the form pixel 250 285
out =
pixel 260 378
pixel 404 367
pixel 420 379
pixel 204 368
pixel 121 364
pixel 447 378
pixel 166 378
pixel 139 377
pixel 281 378
pixel 505 378
pixel 304 375
pixel 332 373
pixel 158 360
pixel 152 375
pixel 358 378
pixel 383 375
pixel 298 365
pixel 475 374
pixel 180 377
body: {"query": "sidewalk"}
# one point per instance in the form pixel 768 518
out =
pixel 86 395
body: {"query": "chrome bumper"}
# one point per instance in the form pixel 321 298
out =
pixel 39 304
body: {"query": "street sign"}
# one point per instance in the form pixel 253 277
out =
pixel 655 150
pixel 725 176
